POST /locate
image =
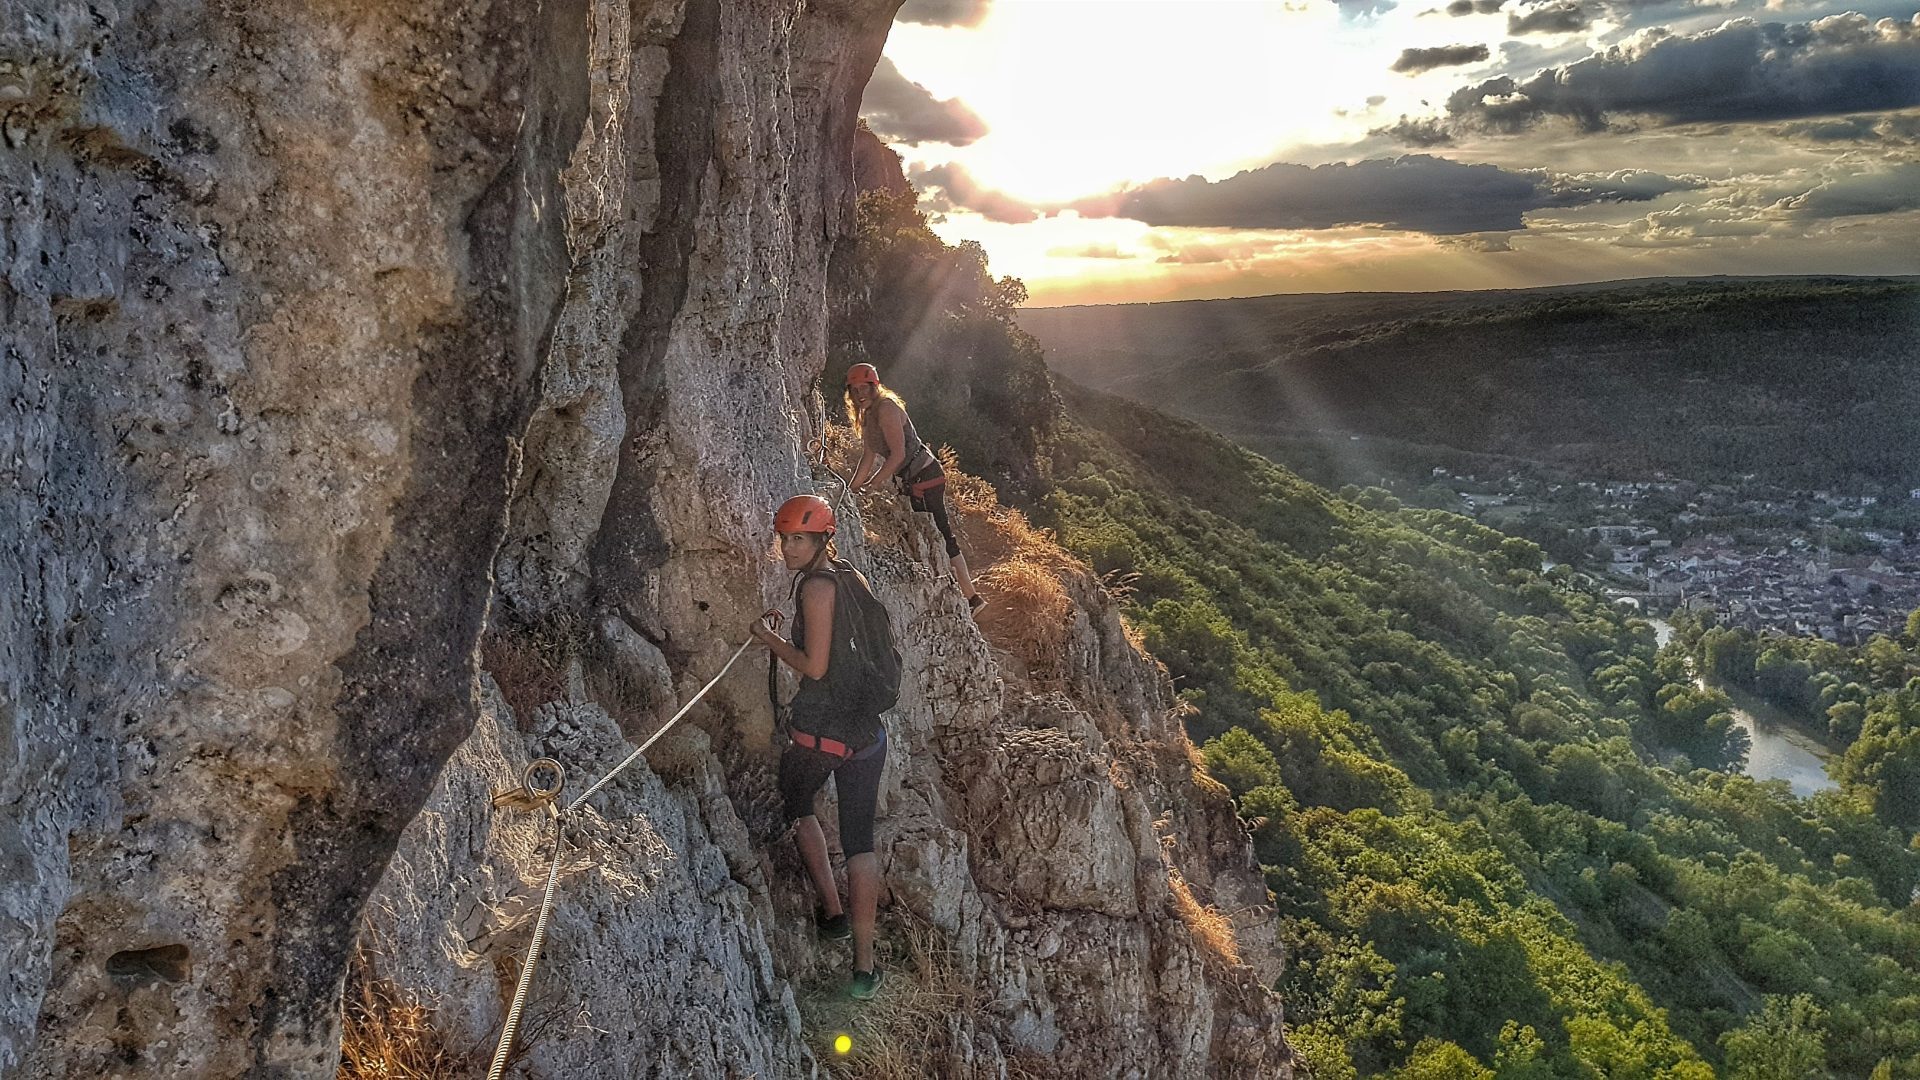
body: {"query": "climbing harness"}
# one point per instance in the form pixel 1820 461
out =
pixel 540 784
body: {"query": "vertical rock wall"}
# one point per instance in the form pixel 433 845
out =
pixel 275 281
pixel 1032 839
pixel 280 283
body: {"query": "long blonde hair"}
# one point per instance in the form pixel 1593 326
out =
pixel 857 416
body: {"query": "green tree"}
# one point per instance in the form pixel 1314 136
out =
pixel 1241 762
pixel 1437 1060
pixel 1785 1040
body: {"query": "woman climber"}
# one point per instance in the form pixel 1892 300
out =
pixel 835 722
pixel 891 448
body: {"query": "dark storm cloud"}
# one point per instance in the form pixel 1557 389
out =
pixel 1559 17
pixel 904 112
pixel 1418 193
pixel 1474 7
pixel 943 12
pixel 1742 71
pixel 1415 61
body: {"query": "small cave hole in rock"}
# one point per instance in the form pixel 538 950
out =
pixel 142 967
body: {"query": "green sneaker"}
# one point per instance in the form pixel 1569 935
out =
pixel 833 928
pixel 865 984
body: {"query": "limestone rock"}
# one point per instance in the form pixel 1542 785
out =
pixel 277 279
pixel 330 332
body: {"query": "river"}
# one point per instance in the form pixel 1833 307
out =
pixel 1778 749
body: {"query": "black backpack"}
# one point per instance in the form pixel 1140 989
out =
pixel 864 633
pixel 864 678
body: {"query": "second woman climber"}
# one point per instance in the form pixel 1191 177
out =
pixel 890 449
pixel 835 729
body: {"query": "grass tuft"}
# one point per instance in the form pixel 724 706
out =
pixel 913 1026
pixel 1211 930
pixel 389 1034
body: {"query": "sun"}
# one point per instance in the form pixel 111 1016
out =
pixel 1080 97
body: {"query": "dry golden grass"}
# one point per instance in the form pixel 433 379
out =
pixel 904 1032
pixel 1026 613
pixel 1022 571
pixel 389 1034
pixel 1211 930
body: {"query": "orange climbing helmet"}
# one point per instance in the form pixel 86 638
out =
pixel 804 514
pixel 863 375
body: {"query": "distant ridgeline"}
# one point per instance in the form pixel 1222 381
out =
pixel 1472 783
pixel 1803 381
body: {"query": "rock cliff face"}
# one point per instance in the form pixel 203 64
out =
pixel 324 327
pixel 278 281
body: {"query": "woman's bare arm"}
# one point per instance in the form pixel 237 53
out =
pixel 816 600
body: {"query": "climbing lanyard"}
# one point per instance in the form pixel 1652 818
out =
pixel 530 793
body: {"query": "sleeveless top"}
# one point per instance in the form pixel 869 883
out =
pixel 874 438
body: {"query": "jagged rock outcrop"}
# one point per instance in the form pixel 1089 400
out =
pixel 280 286
pixel 277 282
pixel 1028 835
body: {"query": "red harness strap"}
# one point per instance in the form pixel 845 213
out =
pixel 833 747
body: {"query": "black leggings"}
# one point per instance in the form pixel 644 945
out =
pixel 856 781
pixel 934 502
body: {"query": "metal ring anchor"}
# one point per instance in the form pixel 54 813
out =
pixel 530 782
pixel 540 782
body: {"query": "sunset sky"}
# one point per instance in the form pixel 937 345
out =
pixel 1160 149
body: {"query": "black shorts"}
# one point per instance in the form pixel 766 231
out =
pixel 856 782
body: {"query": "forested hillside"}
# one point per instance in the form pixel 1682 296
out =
pixel 1455 766
pixel 1801 381
pixel 1507 835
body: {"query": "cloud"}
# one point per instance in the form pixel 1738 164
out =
pixel 944 12
pixel 1418 193
pixel 1192 251
pixel 1089 251
pixel 1885 192
pixel 1422 131
pixel 1354 9
pixel 1414 61
pixel 905 112
pixel 1558 17
pixel 1486 243
pixel 1688 225
pixel 1900 129
pixel 1474 7
pixel 1627 185
pixel 1742 71
pixel 952 186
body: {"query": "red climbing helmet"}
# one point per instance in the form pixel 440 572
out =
pixel 863 375
pixel 804 514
